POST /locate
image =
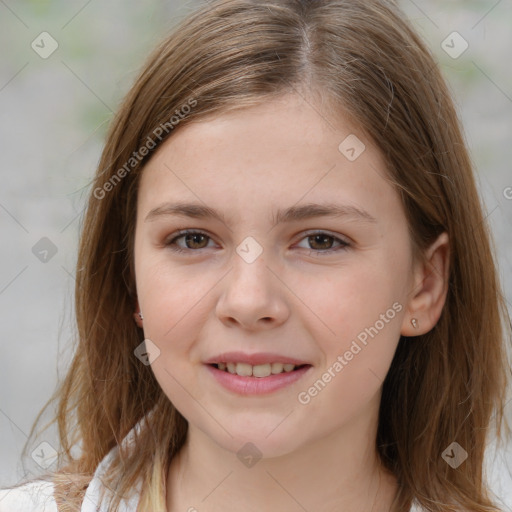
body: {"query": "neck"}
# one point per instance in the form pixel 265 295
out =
pixel 338 472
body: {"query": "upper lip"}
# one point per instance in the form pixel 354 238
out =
pixel 254 359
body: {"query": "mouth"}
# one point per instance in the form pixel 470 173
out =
pixel 258 371
pixel 244 379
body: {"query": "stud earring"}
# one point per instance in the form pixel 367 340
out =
pixel 138 318
pixel 414 323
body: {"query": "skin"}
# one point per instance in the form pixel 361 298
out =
pixel 291 300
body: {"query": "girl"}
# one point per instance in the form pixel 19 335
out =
pixel 336 340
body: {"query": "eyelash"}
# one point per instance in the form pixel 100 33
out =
pixel 171 243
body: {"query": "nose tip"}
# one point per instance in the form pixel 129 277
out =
pixel 252 296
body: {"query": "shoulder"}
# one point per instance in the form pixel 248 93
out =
pixel 35 496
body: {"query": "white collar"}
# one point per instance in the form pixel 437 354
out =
pixel 91 501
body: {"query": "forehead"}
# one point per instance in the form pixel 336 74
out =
pixel 281 152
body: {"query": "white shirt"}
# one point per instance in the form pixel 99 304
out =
pixel 37 496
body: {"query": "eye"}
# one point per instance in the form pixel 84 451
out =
pixel 192 240
pixel 322 243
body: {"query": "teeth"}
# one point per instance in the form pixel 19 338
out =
pixel 259 370
pixel 277 367
pixel 243 369
pixel 262 370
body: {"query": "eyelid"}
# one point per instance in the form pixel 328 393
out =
pixel 345 242
pixel 341 238
pixel 187 231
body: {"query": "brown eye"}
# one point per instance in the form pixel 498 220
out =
pixel 194 240
pixel 323 243
pixel 320 243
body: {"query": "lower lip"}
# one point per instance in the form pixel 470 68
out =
pixel 256 385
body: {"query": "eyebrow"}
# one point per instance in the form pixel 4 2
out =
pixel 291 214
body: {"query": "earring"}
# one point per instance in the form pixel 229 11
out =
pixel 414 323
pixel 138 318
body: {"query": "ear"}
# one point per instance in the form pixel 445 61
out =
pixel 137 316
pixel 428 294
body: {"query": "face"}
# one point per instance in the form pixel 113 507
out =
pixel 267 275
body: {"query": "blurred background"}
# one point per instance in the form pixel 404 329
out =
pixel 63 71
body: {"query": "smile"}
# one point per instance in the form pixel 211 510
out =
pixel 259 370
pixel 245 379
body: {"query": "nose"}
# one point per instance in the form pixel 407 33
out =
pixel 252 297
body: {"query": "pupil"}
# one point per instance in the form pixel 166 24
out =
pixel 322 238
pixel 194 237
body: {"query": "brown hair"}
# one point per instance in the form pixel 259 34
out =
pixel 365 60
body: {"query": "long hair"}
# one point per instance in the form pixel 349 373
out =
pixel 365 60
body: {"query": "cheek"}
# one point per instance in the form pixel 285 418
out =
pixel 354 299
pixel 175 303
pixel 364 313
pixel 362 310
pixel 333 401
pixel 171 296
